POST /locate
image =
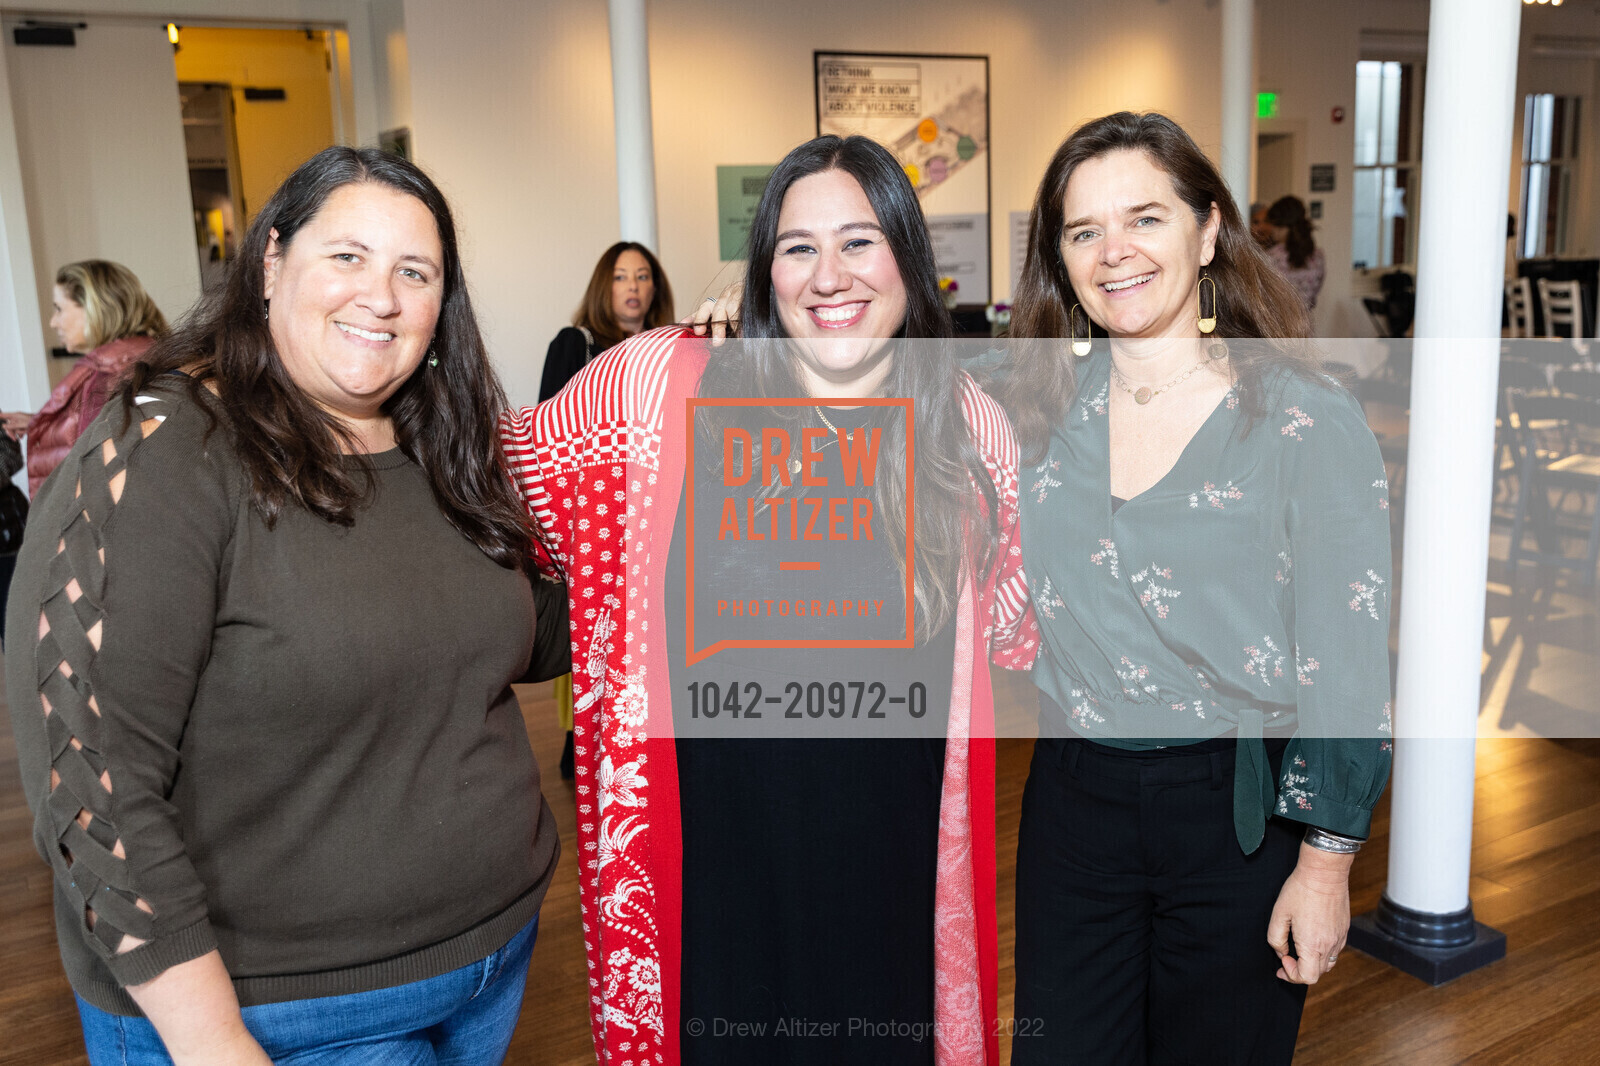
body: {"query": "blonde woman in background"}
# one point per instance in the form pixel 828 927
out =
pixel 104 314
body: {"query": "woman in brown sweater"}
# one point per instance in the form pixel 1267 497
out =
pixel 274 600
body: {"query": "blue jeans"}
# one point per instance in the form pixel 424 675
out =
pixel 461 1018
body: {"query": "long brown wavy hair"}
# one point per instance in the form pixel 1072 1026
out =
pixel 596 313
pixel 445 417
pixel 1036 382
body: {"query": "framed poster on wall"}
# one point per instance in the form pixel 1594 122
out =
pixel 932 112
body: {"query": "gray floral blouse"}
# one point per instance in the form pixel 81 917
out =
pixel 1245 594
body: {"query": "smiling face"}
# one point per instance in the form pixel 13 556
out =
pixel 1133 249
pixel 69 320
pixel 836 284
pixel 633 290
pixel 355 298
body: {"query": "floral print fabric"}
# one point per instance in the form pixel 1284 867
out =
pixel 1246 592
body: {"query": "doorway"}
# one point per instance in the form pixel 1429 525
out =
pixel 256 104
pixel 1275 169
pixel 212 150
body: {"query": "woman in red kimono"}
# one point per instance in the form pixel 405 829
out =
pixel 756 895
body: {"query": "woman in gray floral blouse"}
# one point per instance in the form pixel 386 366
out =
pixel 1205 531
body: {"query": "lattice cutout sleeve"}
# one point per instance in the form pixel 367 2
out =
pixel 139 523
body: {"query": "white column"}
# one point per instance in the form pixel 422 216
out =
pixel 1238 97
pixel 630 91
pixel 1467 122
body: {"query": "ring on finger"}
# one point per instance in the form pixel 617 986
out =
pixel 711 299
pixel 1332 959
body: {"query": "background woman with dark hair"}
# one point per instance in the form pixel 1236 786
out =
pixel 101 312
pixel 1207 546
pixel 749 881
pixel 627 294
pixel 1293 251
pixel 275 764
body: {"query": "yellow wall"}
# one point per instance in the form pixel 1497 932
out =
pixel 275 136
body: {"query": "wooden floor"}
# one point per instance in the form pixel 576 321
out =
pixel 1536 877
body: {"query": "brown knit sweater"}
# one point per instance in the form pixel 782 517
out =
pixel 296 745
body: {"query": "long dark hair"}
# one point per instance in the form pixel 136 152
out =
pixel 1290 213
pixel 1253 299
pixel 947 461
pixel 445 416
pixel 596 313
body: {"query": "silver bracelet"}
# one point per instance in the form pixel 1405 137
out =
pixel 1323 840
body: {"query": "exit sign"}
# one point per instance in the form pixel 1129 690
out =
pixel 1266 105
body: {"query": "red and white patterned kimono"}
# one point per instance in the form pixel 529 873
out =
pixel 601 467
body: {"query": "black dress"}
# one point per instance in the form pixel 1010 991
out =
pixel 808 860
pixel 567 354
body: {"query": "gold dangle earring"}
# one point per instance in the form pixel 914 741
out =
pixel 1208 322
pixel 1079 348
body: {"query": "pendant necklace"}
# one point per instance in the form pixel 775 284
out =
pixel 794 464
pixel 1144 393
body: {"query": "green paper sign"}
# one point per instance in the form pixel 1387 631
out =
pixel 738 192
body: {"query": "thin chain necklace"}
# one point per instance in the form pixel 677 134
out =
pixel 1144 393
pixel 794 464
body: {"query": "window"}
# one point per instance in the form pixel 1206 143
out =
pixel 1386 173
pixel 1549 150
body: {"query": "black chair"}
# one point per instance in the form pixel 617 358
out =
pixel 1544 465
pixel 1378 311
pixel 1584 384
pixel 1522 374
pixel 1394 311
pixel 1585 271
pixel 1526 377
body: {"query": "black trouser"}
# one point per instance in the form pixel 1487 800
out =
pixel 1141 924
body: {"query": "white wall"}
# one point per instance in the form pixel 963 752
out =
pixel 392 69
pixel 745 94
pixel 512 114
pixel 100 135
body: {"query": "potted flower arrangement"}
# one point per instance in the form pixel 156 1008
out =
pixel 999 316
